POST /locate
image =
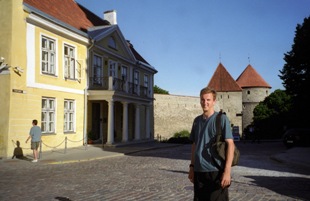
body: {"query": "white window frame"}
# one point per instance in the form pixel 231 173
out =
pixel 136 77
pixel 48 55
pixel 69 61
pixel 124 73
pixel 97 69
pixel 146 83
pixel 112 68
pixel 69 115
pixel 136 81
pixel 146 80
pixel 48 115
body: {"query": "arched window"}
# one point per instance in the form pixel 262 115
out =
pixel 112 43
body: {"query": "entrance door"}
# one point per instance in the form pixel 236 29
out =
pixel 96 121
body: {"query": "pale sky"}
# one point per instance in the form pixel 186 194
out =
pixel 186 39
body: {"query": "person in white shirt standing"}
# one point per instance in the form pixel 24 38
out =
pixel 35 135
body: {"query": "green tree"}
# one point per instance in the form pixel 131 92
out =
pixel 296 73
pixel 271 115
pixel 158 90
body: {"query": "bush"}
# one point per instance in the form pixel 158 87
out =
pixel 180 138
pixel 183 133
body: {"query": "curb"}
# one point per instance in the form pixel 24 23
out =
pixel 83 160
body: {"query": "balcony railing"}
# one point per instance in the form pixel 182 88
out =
pixel 115 84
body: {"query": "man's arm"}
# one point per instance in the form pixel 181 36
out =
pixel 28 138
pixel 226 178
pixel 191 168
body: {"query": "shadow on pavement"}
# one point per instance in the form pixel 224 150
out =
pixel 253 155
pixel 261 156
pixel 297 187
pixel 62 198
pixel 175 171
pixel 166 150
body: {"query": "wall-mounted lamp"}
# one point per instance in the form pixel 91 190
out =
pixel 18 69
pixel 3 66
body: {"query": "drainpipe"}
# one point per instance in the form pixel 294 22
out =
pixel 85 93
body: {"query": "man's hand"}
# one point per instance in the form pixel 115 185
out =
pixel 226 179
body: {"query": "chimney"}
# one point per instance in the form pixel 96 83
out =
pixel 110 16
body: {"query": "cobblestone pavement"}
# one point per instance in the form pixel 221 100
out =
pixel 159 174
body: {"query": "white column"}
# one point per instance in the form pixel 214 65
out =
pixel 110 139
pixel 147 122
pixel 125 122
pixel 137 123
pixel 111 85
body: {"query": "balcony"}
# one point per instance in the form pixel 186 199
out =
pixel 119 85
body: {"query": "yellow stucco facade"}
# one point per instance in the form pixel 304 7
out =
pixel 24 86
pixel 72 81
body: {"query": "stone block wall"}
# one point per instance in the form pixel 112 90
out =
pixel 174 113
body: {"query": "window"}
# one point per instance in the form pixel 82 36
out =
pixel 69 58
pixel 249 92
pixel 112 68
pixel 146 81
pixel 136 81
pixel 124 73
pixel 136 78
pixel 48 56
pixel 69 115
pixel 97 70
pixel 48 115
pixel 112 42
pixel 146 84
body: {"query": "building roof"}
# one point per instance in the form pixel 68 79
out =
pixel 75 15
pixel 250 78
pixel 69 12
pixel 137 55
pixel 222 81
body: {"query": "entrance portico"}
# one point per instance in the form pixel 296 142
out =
pixel 121 121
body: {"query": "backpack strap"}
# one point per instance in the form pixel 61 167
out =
pixel 218 127
pixel 218 137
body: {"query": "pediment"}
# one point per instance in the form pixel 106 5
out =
pixel 110 39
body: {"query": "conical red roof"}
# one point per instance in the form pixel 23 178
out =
pixel 250 78
pixel 222 81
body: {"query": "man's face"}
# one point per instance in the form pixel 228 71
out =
pixel 207 102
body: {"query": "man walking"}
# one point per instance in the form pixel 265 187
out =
pixel 211 178
pixel 35 135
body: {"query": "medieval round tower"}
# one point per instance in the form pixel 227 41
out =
pixel 229 96
pixel 254 90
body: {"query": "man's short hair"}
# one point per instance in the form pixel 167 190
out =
pixel 208 90
pixel 35 122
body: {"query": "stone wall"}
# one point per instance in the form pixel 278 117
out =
pixel 231 103
pixel 174 113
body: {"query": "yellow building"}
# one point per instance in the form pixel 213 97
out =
pixel 72 71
